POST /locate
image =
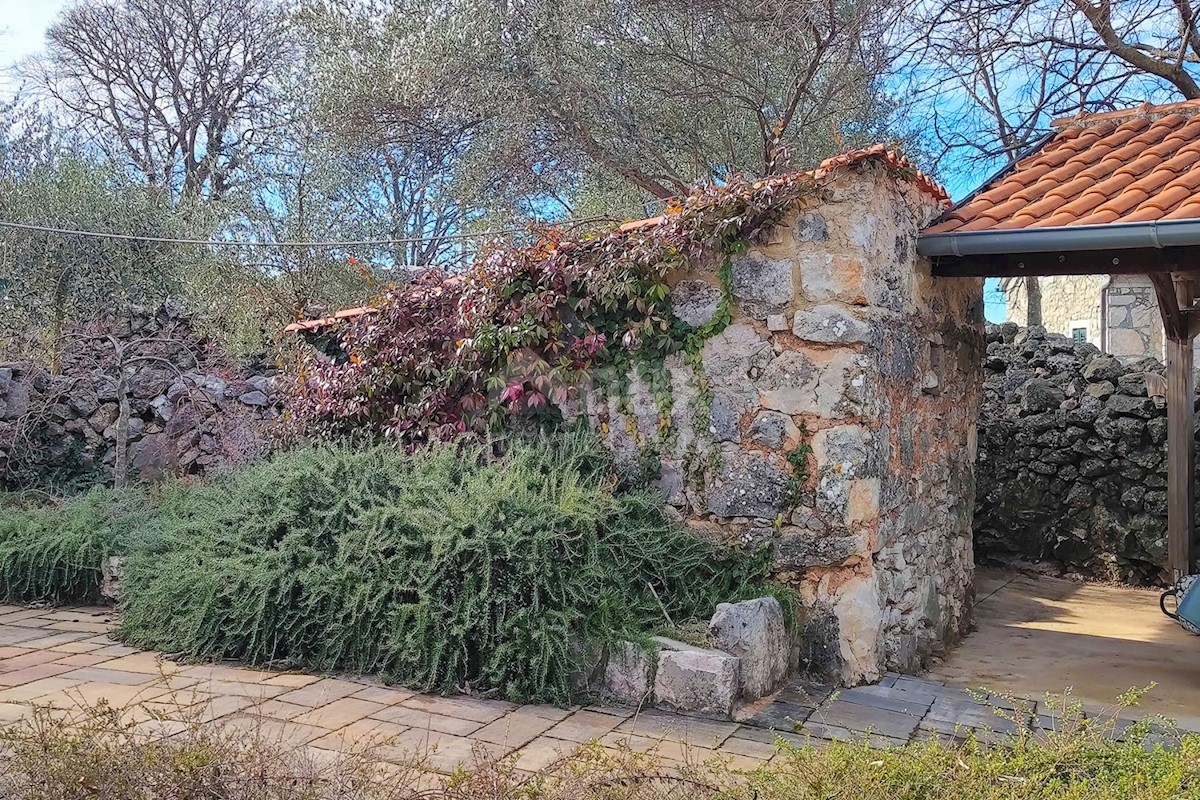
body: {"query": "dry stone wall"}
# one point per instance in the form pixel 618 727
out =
pixel 192 409
pixel 1071 471
pixel 834 420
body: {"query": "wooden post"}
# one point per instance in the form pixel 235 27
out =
pixel 1181 450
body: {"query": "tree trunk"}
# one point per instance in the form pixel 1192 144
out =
pixel 1033 301
pixel 120 462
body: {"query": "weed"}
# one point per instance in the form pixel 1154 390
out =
pixel 160 749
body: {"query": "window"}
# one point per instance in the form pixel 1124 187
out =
pixel 1078 330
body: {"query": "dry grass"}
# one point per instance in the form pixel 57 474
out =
pixel 155 750
pixel 168 749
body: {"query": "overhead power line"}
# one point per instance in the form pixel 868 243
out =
pixel 130 237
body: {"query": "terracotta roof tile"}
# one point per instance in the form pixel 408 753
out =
pixel 324 322
pixel 1101 216
pixel 1189 210
pixel 1141 164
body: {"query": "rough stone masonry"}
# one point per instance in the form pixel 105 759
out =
pixel 834 419
pixel 1072 458
pixel 193 409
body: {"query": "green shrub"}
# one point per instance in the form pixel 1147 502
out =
pixel 443 569
pixel 53 549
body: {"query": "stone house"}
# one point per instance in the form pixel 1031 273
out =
pixel 1116 313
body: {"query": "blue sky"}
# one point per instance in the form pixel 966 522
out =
pixel 24 24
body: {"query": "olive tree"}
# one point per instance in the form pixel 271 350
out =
pixel 573 106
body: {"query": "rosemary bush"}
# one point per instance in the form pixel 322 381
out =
pixel 53 549
pixel 441 569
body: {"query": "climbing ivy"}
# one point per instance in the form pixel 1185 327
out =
pixel 524 329
pixel 798 460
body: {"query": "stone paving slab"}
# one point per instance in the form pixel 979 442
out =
pixel 44 663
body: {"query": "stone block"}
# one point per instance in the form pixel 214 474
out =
pixel 863 505
pixel 111 573
pixel 830 324
pixel 695 302
pixel 753 630
pixel 152 456
pixel 828 384
pixel 628 674
pixel 851 448
pixel 777 322
pixel 825 277
pixel 82 400
pixel 1103 368
pixel 774 430
pixel 747 485
pixel 695 680
pixel 104 417
pixel 1135 406
pixel 163 409
pixel 262 383
pixel 810 227
pixel 762 285
pixel 16 399
pixel 793 551
pixel 255 398
pixel 1040 395
pixel 145 384
pixel 730 361
pixel 723 418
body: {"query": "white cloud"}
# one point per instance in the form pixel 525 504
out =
pixel 23 26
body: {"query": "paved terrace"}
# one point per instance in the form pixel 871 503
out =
pixel 64 658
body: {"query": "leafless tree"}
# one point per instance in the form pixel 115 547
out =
pixel 992 74
pixel 176 89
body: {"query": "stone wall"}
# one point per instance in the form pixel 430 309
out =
pixel 192 409
pixel 835 419
pixel 1119 313
pixel 1071 468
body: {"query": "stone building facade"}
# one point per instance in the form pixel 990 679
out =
pixel 1118 313
pixel 833 419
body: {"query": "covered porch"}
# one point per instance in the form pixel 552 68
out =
pixel 1116 193
pixel 1037 634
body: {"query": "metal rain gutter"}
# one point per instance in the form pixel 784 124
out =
pixel 1116 236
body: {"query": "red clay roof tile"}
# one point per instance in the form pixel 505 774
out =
pixel 1141 164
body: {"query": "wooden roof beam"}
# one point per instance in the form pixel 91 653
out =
pixel 1133 261
pixel 1174 325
